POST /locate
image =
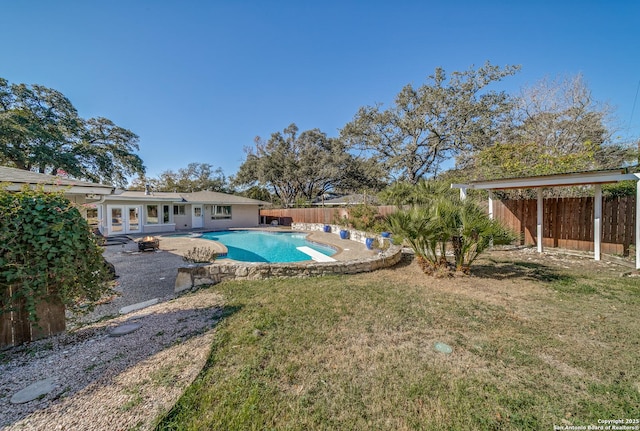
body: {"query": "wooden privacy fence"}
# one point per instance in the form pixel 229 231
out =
pixel 286 216
pixel 16 328
pixel 568 222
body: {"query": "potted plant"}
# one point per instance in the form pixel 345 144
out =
pixel 344 224
pixel 369 243
pixel 327 228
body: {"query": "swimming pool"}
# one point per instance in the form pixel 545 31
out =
pixel 262 246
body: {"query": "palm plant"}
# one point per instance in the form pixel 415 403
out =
pixel 447 224
pixel 477 232
pixel 420 230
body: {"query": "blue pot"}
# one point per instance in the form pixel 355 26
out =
pixel 369 243
pixel 385 234
pixel 327 228
pixel 344 234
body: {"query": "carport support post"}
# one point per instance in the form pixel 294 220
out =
pixel 597 222
pixel 463 190
pixel 539 223
pixel 490 204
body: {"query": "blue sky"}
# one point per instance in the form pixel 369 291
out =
pixel 199 80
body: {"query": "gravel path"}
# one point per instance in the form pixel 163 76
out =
pixel 112 383
pixel 141 276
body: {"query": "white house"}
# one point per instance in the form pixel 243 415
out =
pixel 117 212
pixel 133 212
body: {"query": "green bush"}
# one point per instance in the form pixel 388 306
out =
pixel 447 228
pixel 366 218
pixel 47 249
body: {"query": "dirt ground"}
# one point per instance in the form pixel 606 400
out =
pixel 510 276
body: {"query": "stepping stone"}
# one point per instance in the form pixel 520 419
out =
pixel 125 329
pixel 31 392
pixel 139 306
pixel 443 348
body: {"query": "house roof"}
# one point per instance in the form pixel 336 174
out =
pixel 18 178
pixel 204 197
pixel 207 197
pixel 126 195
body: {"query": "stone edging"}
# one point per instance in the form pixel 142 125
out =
pixel 195 276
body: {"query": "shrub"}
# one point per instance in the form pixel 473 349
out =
pixel 361 217
pixel 47 248
pixel 459 227
pixel 200 255
pixel 366 218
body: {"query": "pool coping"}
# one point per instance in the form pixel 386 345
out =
pixel 353 256
pixel 194 239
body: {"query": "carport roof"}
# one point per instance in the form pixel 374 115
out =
pixel 557 180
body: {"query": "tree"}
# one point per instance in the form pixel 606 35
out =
pixel 106 152
pixel 403 193
pixel 430 124
pixel 303 166
pixel 258 193
pixel 195 177
pixel 556 127
pixel 40 130
pixel 39 126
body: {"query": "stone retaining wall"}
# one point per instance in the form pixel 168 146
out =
pixel 194 276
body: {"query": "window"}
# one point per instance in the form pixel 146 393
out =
pixel 165 214
pixel 220 212
pixel 92 217
pixel 152 214
pixel 178 210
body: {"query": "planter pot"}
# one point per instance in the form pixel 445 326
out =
pixel 369 243
pixel 344 234
pixel 327 228
pixel 385 234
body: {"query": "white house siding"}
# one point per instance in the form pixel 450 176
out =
pixel 241 216
pixel 106 225
pixel 183 222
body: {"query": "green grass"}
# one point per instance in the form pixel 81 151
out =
pixel 530 350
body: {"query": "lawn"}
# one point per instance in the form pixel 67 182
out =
pixel 536 343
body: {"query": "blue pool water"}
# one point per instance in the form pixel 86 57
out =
pixel 261 246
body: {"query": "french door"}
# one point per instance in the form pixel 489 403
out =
pixel 123 219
